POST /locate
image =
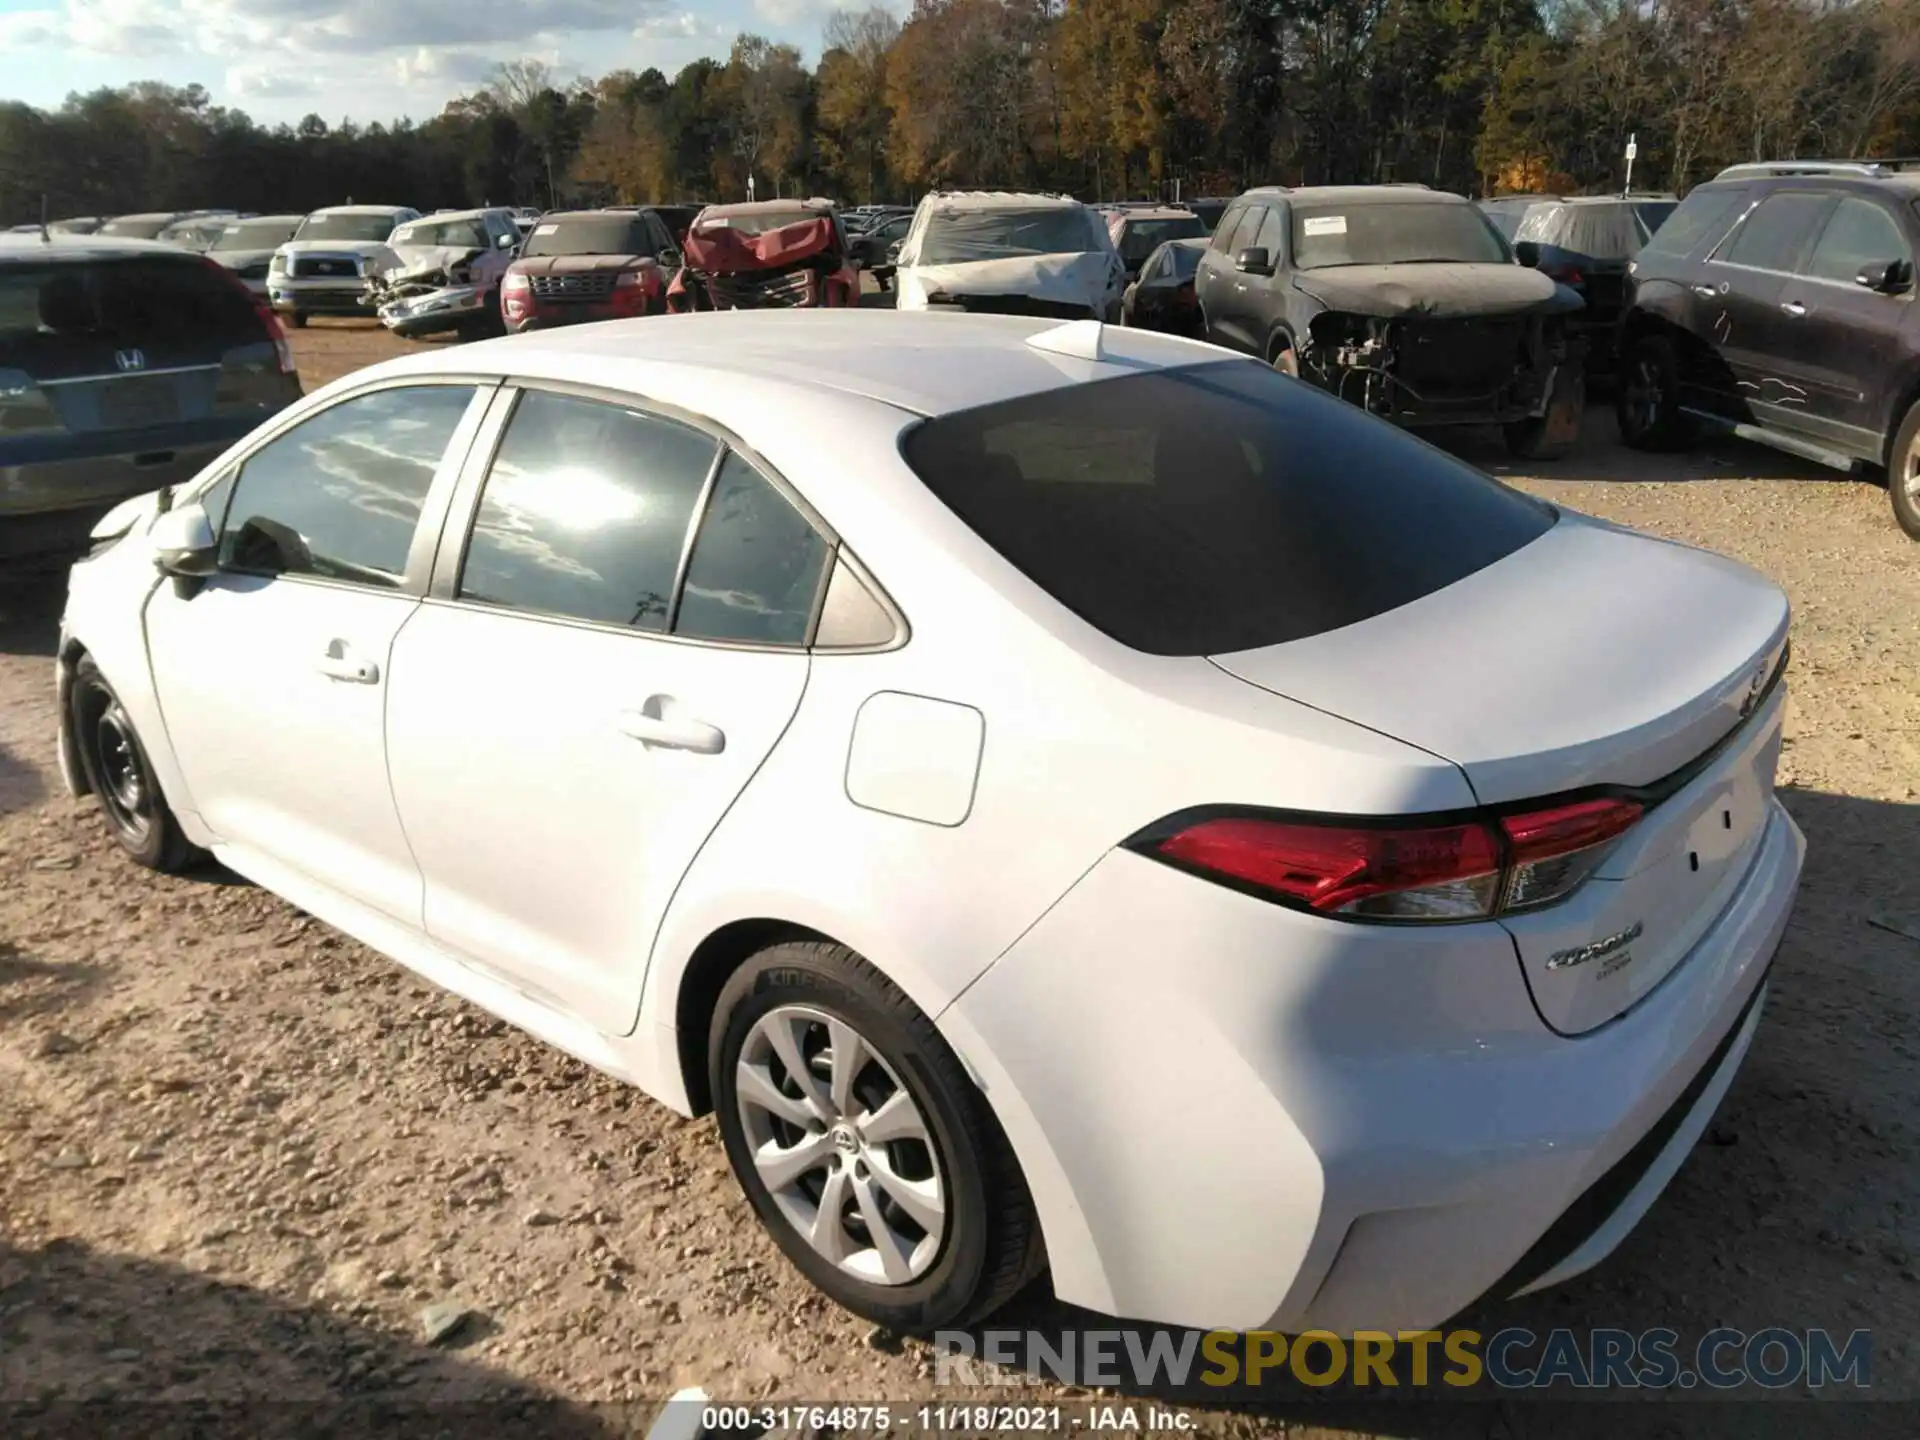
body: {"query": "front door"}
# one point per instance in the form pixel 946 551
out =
pixel 587 691
pixel 273 675
pixel 1750 327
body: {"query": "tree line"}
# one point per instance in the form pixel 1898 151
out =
pixel 1103 98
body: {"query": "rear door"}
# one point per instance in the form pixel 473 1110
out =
pixel 1756 334
pixel 610 650
pixel 1846 339
pixel 1231 306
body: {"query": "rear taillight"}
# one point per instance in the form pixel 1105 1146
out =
pixel 1472 869
pixel 263 312
pixel 1565 274
pixel 1550 852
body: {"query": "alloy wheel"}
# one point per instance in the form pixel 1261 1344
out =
pixel 1644 395
pixel 1909 477
pixel 841 1145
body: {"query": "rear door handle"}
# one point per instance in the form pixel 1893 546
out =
pixel 340 663
pixel 659 724
pixel 1793 307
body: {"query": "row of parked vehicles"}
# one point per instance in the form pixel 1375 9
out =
pixel 1777 303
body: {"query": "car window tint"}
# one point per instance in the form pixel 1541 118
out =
pixel 1248 227
pixel 1859 233
pixel 756 564
pixel 1702 218
pixel 1223 232
pixel 585 511
pixel 1777 233
pixel 1216 507
pixel 339 495
pixel 1269 236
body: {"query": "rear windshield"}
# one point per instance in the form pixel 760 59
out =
pixel 1216 508
pixel 609 235
pixel 130 302
pixel 1139 238
pixel 254 235
pixel 1507 214
pixel 1392 233
pixel 1600 232
pixel 463 234
pixel 1183 261
pixel 961 236
pixel 345 227
pixel 1704 216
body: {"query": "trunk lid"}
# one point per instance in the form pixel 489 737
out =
pixel 1593 657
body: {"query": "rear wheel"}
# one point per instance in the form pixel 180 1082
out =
pixel 1903 474
pixel 862 1145
pixel 122 777
pixel 1646 399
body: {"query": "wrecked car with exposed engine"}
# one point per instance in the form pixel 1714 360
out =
pixel 999 253
pixel 1402 300
pixel 445 274
pixel 765 255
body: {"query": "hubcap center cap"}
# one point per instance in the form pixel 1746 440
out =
pixel 845 1141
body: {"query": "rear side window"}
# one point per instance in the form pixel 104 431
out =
pixel 756 565
pixel 1223 232
pixel 1778 232
pixel 1245 229
pixel 1701 219
pixel 585 512
pixel 1859 233
pixel 339 495
pixel 1216 508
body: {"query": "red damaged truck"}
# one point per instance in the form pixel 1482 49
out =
pixel 765 255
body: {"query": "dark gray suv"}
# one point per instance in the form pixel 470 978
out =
pixel 124 366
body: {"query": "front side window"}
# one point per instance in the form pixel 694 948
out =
pixel 1223 231
pixel 1270 237
pixel 585 512
pixel 1776 235
pixel 1246 228
pixel 1858 234
pixel 756 564
pixel 339 496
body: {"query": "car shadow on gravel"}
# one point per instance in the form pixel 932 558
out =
pixel 30 615
pixel 98 1343
pixel 32 987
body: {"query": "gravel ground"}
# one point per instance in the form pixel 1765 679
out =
pixel 240 1155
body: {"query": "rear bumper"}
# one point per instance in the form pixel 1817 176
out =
pixel 1239 1116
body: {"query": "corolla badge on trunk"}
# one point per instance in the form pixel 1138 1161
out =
pixel 1581 954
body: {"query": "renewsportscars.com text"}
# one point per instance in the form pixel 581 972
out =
pixel 1510 1359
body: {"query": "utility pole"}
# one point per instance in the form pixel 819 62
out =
pixel 1633 151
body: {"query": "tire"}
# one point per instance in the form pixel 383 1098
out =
pixel 1285 361
pixel 117 768
pixel 1646 396
pixel 1536 437
pixel 1903 473
pixel 976 1242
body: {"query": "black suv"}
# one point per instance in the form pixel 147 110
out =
pixel 1405 301
pixel 1777 303
pixel 125 365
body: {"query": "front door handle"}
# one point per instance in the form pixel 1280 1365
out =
pixel 340 663
pixel 661 724
pixel 1793 308
pixel 1706 292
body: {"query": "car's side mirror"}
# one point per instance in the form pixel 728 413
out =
pixel 506 242
pixel 893 253
pixel 1887 277
pixel 670 258
pixel 183 541
pixel 1527 253
pixel 1254 261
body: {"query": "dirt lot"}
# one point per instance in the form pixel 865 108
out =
pixel 239 1154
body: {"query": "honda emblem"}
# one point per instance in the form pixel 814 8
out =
pixel 130 359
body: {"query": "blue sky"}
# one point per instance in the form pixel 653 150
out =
pixel 368 59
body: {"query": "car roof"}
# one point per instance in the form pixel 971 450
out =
pixel 999 200
pixel 611 212
pixel 759 207
pixel 474 214
pixel 64 245
pixel 232 220
pixel 1358 195
pixel 729 364
pixel 1157 212
pixel 358 210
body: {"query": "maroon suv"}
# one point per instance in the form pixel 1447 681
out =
pixel 583 265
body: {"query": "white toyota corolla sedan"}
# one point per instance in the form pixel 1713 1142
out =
pixel 1068 798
